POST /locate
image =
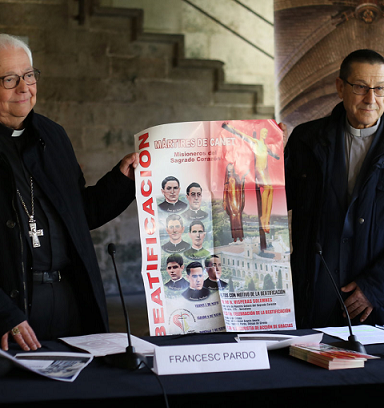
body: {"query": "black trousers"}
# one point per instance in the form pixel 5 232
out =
pixel 54 311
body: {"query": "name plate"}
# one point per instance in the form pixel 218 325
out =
pixel 210 358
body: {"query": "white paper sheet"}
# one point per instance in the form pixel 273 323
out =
pixel 277 341
pixel 55 365
pixel 365 334
pixel 104 344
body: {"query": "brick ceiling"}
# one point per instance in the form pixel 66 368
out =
pixel 312 38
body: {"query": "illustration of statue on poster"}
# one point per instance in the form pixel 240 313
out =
pixel 262 179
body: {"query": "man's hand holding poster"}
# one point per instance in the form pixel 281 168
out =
pixel 214 227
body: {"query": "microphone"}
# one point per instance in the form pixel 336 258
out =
pixel 352 343
pixel 130 359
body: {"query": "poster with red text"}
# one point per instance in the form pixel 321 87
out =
pixel 214 227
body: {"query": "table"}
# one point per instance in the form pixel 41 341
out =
pixel 288 381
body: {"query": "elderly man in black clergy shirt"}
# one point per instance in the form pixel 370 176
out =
pixel 335 189
pixel 50 283
pixel 170 187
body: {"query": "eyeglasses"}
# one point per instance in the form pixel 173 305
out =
pixel 11 81
pixel 363 89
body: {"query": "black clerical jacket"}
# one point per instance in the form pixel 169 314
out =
pixel 351 234
pixel 51 161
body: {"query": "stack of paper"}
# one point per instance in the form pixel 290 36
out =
pixel 330 357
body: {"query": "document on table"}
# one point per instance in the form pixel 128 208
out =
pixel 104 344
pixel 365 334
pixel 277 341
pixel 55 365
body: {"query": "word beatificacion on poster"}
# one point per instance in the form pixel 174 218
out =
pixel 214 227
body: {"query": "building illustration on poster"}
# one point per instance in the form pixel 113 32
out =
pixel 214 227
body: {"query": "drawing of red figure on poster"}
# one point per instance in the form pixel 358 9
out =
pixel 264 198
pixel 234 200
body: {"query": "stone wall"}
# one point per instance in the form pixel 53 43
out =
pixel 241 34
pixel 104 80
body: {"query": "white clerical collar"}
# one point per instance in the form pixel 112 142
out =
pixel 361 132
pixel 17 133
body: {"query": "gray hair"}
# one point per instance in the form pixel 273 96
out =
pixel 9 41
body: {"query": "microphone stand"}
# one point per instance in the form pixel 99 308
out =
pixel 130 359
pixel 352 343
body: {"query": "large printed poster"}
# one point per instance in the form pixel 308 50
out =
pixel 214 227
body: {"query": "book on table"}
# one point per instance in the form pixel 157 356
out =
pixel 330 357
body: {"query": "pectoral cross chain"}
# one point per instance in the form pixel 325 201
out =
pixel 34 233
